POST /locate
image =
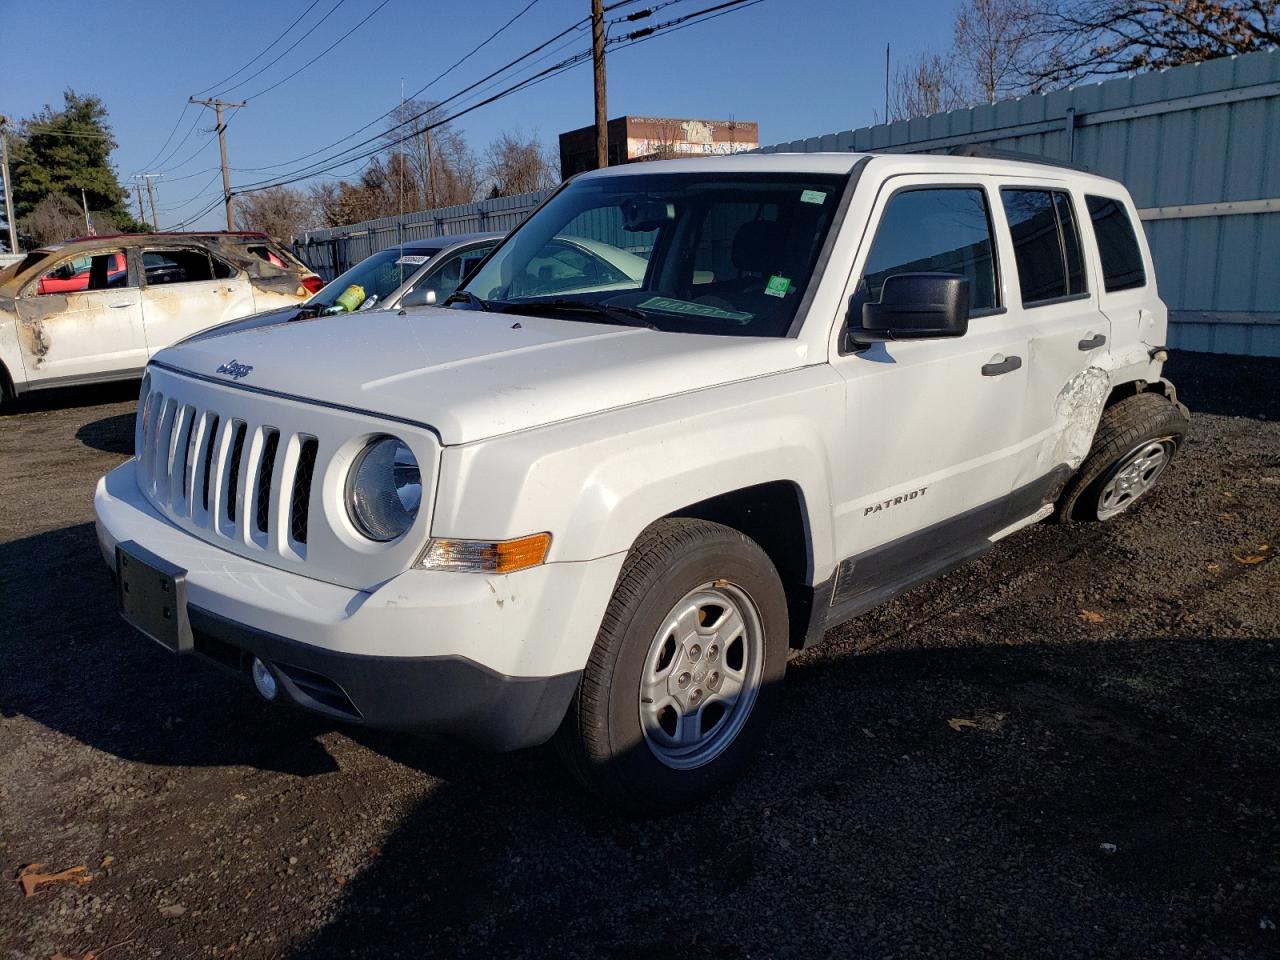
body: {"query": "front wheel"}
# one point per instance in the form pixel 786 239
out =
pixel 685 670
pixel 1134 445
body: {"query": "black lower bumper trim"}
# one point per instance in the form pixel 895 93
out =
pixel 444 695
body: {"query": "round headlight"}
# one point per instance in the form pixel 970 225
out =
pixel 384 489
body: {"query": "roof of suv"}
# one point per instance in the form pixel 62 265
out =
pixel 844 162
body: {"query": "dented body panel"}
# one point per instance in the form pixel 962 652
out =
pixel 91 335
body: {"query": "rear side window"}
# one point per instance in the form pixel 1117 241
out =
pixel 182 266
pixel 936 230
pixel 1046 244
pixel 1117 244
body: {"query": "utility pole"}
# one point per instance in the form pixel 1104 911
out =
pixel 597 62
pixel 8 190
pixel 88 227
pixel 151 194
pixel 142 214
pixel 218 107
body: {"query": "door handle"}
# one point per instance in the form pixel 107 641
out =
pixel 119 306
pixel 1093 343
pixel 997 367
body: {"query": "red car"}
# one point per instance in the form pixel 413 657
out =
pixel 74 275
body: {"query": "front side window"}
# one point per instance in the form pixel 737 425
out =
pixel 1117 244
pixel 1046 245
pixel 100 271
pixel 445 277
pixel 936 230
pixel 162 267
pixel 714 252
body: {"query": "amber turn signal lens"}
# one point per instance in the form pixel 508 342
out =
pixel 478 556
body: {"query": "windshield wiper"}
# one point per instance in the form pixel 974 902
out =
pixel 465 296
pixel 606 312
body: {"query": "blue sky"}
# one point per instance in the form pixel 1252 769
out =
pixel 797 67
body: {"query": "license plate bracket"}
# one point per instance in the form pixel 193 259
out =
pixel 153 596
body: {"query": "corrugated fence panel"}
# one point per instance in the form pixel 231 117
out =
pixel 331 251
pixel 1206 134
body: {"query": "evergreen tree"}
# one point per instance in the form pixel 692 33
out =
pixel 61 152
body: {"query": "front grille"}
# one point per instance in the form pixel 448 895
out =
pixel 241 481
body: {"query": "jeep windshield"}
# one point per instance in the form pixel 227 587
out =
pixel 709 252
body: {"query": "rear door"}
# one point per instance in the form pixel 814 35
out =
pixel 187 289
pixel 84 334
pixel 1127 291
pixel 1069 335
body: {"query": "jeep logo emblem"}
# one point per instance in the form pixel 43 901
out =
pixel 235 370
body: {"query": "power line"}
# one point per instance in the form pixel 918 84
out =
pixel 283 53
pixel 419 92
pixel 321 54
pixel 176 124
pixel 625 41
pixel 326 165
pixel 283 33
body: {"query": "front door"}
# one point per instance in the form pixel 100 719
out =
pixel 186 290
pixel 86 325
pixel 932 426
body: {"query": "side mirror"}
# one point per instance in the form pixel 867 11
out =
pixel 916 306
pixel 419 297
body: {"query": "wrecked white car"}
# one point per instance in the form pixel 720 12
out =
pixel 96 308
pixel 601 507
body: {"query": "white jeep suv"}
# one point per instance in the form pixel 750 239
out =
pixel 573 504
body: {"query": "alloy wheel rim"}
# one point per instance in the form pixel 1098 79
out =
pixel 701 675
pixel 1136 473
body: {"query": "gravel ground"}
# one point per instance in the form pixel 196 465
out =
pixel 1068 748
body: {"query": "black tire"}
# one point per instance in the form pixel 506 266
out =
pixel 601 739
pixel 1124 427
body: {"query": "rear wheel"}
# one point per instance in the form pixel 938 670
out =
pixel 686 668
pixel 1135 443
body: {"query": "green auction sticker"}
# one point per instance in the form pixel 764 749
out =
pixel 813 196
pixel 777 286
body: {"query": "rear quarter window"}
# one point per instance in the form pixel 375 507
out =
pixel 1117 244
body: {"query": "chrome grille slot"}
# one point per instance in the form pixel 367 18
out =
pixel 300 501
pixel 233 476
pixel 211 439
pixel 265 473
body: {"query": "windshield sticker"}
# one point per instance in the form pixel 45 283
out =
pixel 777 286
pixel 813 196
pixel 672 305
pixel 411 261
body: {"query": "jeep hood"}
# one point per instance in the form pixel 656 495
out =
pixel 471 374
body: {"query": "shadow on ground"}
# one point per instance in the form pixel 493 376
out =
pixel 110 434
pixel 63 398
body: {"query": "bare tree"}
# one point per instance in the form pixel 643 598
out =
pixel 279 212
pixel 924 87
pixel 436 167
pixel 54 218
pixel 997 47
pixel 516 163
pixel 1085 38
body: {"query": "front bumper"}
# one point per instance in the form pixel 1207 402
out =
pixel 493 660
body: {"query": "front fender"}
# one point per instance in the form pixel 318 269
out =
pixel 11 351
pixel 596 482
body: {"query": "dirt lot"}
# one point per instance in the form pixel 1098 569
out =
pixel 1070 748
